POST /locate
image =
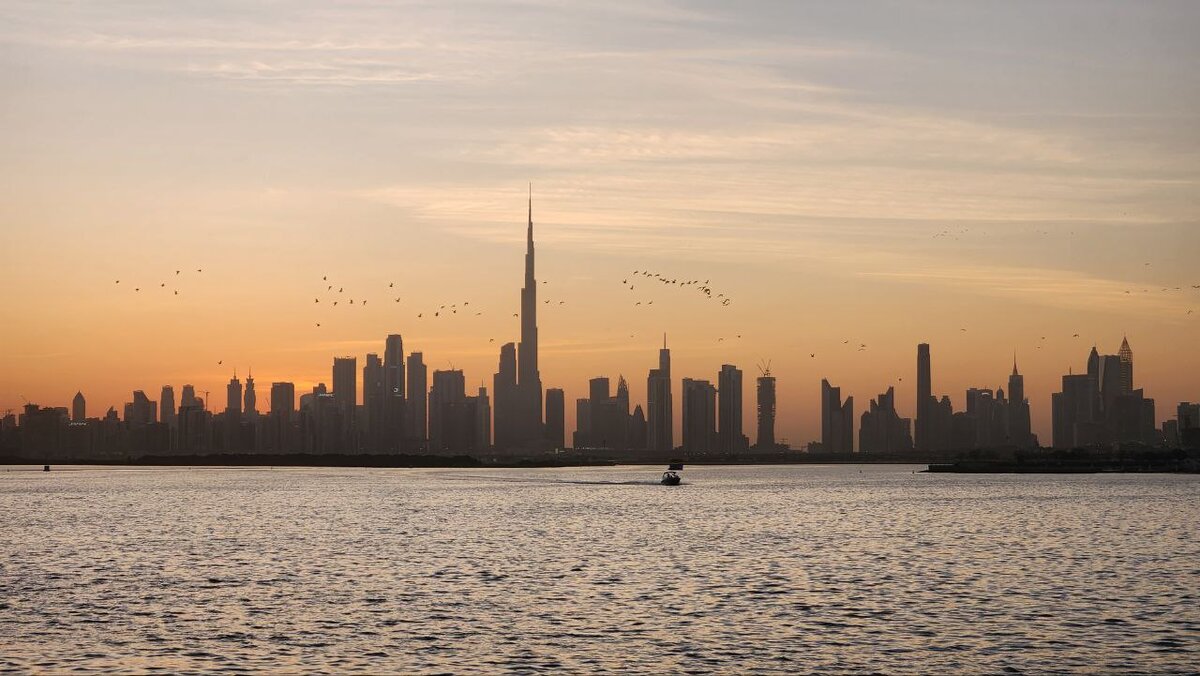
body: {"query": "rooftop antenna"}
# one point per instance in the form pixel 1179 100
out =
pixel 764 367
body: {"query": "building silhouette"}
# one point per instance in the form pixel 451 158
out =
pixel 837 421
pixel 416 401
pixel 233 395
pixel 881 430
pixel 394 393
pixel 556 423
pixel 925 401
pixel 451 425
pixel 166 399
pixel 375 397
pixel 766 411
pixel 699 417
pixel 78 408
pixel 730 438
pixel 188 397
pixel 1101 406
pixel 659 431
pixel 528 427
pixel 508 398
pixel 249 398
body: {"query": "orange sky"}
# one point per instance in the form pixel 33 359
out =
pixel 839 179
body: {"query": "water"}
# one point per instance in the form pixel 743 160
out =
pixel 741 569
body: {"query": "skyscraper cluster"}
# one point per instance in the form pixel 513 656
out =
pixel 1101 406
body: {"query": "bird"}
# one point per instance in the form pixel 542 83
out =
pixel 176 272
pixel 335 302
pixel 845 342
pixel 491 340
pixel 515 314
pixel 436 314
pixel 162 285
pixel 562 302
pixel 813 355
pixel 176 292
pixel 391 284
pixel 352 301
pixel 720 339
pixel 137 289
pixel 638 303
pixel 419 315
pixel 962 329
pixel 199 270
pixel 340 289
pixel 1076 335
pixel 118 281
pixel 478 313
pixel 318 323
pixel 316 300
pixel 650 303
pixel 364 302
pixel 329 288
pixel 220 362
pixel 397 300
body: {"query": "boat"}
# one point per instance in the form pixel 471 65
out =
pixel 671 476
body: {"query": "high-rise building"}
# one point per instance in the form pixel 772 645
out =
pixel 1125 354
pixel 528 429
pixel 837 420
pixel 345 388
pixel 766 411
pixel 283 399
pixel 280 438
pixel 699 417
pixel 659 420
pixel 483 419
pixel 507 399
pixel 555 418
pixel 582 438
pixel 446 420
pixel 416 400
pixel 188 397
pixel 1020 431
pixel 250 398
pixel 141 411
pixel 78 408
pixel 375 399
pixel 882 431
pixel 233 395
pixel 924 399
pixel 394 387
pixel 167 405
pixel 729 414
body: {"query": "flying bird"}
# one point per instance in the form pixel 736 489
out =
pixel 176 272
pixel 318 323
pixel 220 362
pixel 391 284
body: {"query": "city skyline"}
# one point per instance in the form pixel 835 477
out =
pixel 835 205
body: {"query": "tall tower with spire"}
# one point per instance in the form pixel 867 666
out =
pixel 1126 356
pixel 519 415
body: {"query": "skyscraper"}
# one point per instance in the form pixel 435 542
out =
pixel 699 417
pixel 188 397
pixel 394 389
pixel 925 399
pixel 78 408
pixel 555 419
pixel 507 398
pixel 659 432
pixel 1020 431
pixel 345 387
pixel 528 428
pixel 446 423
pixel 416 399
pixel 882 431
pixel 374 401
pixel 250 398
pixel 1126 356
pixel 837 420
pixel 729 415
pixel 167 405
pixel 766 411
pixel 283 399
pixel 233 395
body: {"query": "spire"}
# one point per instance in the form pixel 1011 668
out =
pixel 664 340
pixel 1015 373
pixel 529 235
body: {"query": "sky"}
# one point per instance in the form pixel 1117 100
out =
pixel 991 178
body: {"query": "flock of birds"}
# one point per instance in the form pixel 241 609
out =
pixel 163 285
pixel 695 284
